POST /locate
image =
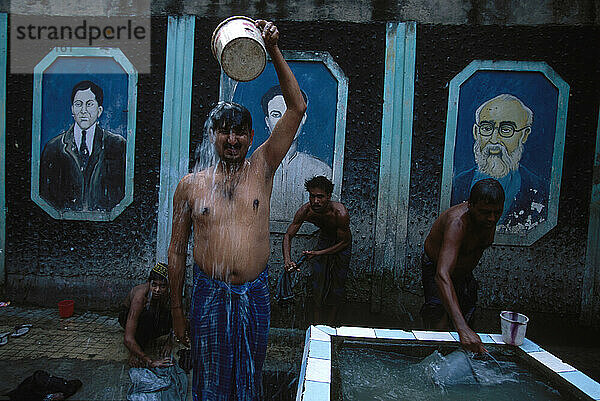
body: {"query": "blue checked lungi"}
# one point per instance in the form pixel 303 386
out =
pixel 229 327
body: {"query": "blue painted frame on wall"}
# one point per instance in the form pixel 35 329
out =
pixel 118 56
pixel 225 93
pixel 590 293
pixel 3 39
pixel 177 106
pixel 391 225
pixel 562 87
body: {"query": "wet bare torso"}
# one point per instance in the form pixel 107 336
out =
pixel 474 242
pixel 328 222
pixel 230 218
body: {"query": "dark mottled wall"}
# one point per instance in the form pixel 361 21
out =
pixel 95 262
pixel 547 276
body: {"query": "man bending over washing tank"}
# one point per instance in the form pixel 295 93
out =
pixel 227 205
pixel 452 250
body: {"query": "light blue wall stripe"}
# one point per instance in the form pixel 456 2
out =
pixel 590 297
pixel 3 38
pixel 394 165
pixel 174 161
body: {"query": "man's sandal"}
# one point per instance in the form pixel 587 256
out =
pixel 21 330
pixel 4 338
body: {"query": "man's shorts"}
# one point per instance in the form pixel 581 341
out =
pixel 433 309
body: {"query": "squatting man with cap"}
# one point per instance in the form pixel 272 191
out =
pixel 331 258
pixel 146 315
pixel 453 248
pixel 227 205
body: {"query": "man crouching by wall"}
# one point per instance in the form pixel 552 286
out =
pixel 331 259
pixel 146 316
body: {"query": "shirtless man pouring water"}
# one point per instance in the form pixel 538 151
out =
pixel 452 250
pixel 228 207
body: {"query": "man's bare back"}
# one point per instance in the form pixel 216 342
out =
pixel 474 242
pixel 453 248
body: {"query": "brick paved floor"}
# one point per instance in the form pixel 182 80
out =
pixel 85 336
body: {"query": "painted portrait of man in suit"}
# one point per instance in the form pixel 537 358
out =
pixel 500 132
pixel 83 168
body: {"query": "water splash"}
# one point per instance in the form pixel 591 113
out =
pixel 228 87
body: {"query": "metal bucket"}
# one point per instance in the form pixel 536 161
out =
pixel 238 46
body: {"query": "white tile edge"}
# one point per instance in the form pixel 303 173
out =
pixel 497 338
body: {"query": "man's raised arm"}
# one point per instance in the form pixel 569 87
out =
pixel 180 234
pixel 277 145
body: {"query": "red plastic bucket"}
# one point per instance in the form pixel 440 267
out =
pixel 65 308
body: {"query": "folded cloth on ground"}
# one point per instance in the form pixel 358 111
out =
pixel 158 384
pixel 41 384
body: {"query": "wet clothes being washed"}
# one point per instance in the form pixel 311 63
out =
pixel 433 309
pixel 157 384
pixel 153 322
pixel 329 273
pixel 229 327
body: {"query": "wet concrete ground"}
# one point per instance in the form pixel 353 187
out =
pixel 89 347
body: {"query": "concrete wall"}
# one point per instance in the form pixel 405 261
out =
pixel 96 262
pixel 452 12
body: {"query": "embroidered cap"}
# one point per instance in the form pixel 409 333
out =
pixel 161 269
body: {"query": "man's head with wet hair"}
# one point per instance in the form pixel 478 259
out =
pixel 487 190
pixel 228 116
pixel 320 182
